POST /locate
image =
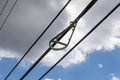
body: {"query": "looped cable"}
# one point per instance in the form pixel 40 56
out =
pixel 56 39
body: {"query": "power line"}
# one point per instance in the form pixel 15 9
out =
pixel 4 7
pixel 46 52
pixel 80 41
pixel 8 14
pixel 72 26
pixel 37 39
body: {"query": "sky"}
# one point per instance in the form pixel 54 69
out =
pixel 96 58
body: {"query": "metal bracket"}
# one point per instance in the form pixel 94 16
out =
pixel 56 39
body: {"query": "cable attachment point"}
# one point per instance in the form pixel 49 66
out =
pixel 56 39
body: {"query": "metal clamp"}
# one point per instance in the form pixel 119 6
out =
pixel 56 39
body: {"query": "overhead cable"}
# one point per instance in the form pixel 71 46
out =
pixel 96 26
pixel 48 50
pixel 4 6
pixel 37 39
pixel 72 26
pixel 8 14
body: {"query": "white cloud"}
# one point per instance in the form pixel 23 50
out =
pixel 115 78
pixel 17 40
pixel 74 58
pixel 100 65
pixel 48 79
pixel 51 79
pixel 59 79
pixel 7 54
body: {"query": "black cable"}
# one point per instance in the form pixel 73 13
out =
pixel 80 41
pixel 37 39
pixel 8 15
pixel 4 7
pixel 85 10
pixel 45 53
pixel 72 26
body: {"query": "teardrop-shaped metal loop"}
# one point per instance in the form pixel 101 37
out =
pixel 56 39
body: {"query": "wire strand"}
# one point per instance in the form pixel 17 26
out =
pixel 4 8
pixel 37 39
pixel 96 26
pixel 46 52
pixel 8 15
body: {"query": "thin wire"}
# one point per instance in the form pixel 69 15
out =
pixel 8 15
pixel 87 8
pixel 43 55
pixel 96 26
pixel 37 39
pixel 72 25
pixel 4 7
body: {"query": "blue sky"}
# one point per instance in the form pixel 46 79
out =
pixel 84 71
pixel 96 58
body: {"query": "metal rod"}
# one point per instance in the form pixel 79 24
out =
pixel 86 9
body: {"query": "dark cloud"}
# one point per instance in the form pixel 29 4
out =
pixel 31 17
pixel 27 21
